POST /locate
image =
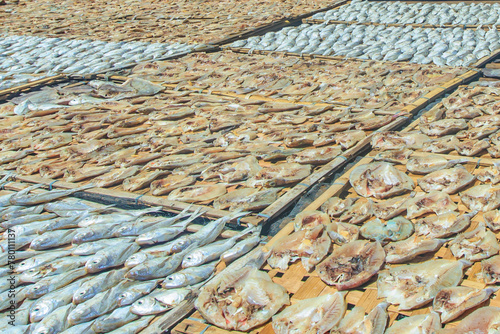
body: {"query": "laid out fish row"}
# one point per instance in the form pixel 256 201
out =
pixel 400 12
pixel 362 84
pixel 151 21
pixel 14 80
pixel 466 123
pixel 440 46
pixel 31 54
pixel 237 153
pixel 96 269
pixel 399 212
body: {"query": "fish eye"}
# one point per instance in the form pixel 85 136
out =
pixel 139 302
pixel 36 309
pixel 170 278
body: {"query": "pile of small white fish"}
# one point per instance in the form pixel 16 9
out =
pixel 83 268
pixel 31 54
pixel 400 12
pixel 441 46
pixel 13 80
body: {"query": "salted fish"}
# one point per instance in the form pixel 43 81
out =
pixel 310 219
pixel 483 197
pixel 352 264
pixel 335 206
pixel 411 286
pixel 25 199
pixel 475 245
pixel 356 322
pixel 247 199
pixel 406 250
pixel 443 127
pixel 241 297
pixel 380 180
pixel 394 156
pixel 279 175
pixel 416 324
pixel 454 301
pixel 357 213
pixel 491 174
pixel 443 144
pixel 342 233
pixel 392 140
pixel 199 193
pixel 447 180
pixel 443 225
pixel 394 229
pixel 483 320
pixel 391 208
pixel 313 315
pixel 431 163
pixel 310 245
pixel 490 269
pixel 434 201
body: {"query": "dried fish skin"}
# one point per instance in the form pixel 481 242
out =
pixel 406 250
pixel 414 285
pixel 379 180
pixel 335 206
pixel 342 233
pixel 443 144
pixel 475 245
pixel 431 163
pixel 356 322
pixel 483 320
pixel 390 208
pixel 314 315
pixel 307 220
pixel 490 269
pixel 483 197
pixel 395 229
pixel 352 264
pixel 392 140
pixel 421 323
pixel 454 301
pixel 241 297
pixel 310 245
pixel 443 225
pixel 443 127
pixel 200 193
pixel 433 202
pixel 446 180
pixel 394 156
pixel 279 175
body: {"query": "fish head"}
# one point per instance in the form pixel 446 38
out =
pixel 41 242
pixel 79 314
pixel 83 236
pixel 37 290
pixel 128 297
pixel 83 294
pixel 174 297
pixel 25 265
pixel 30 275
pixel 193 259
pixel 136 259
pixel 175 280
pixel 124 231
pixel 41 309
pixel 43 329
pixel 146 306
pixel 97 263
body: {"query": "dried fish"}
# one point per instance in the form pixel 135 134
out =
pixel 352 264
pixel 357 322
pixel 475 245
pixel 483 320
pixel 446 180
pixel 431 163
pixel 454 301
pixel 335 206
pixel 392 140
pixel 395 229
pixel 414 285
pixel 200 193
pixel 314 315
pixel 423 323
pixel 483 197
pixel 444 224
pixel 379 180
pixel 406 250
pixel 434 201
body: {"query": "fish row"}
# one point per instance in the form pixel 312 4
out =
pixel 388 218
pixel 390 12
pixel 361 84
pixel 109 277
pixel 242 297
pixel 154 21
pixel 464 122
pixel 30 54
pixel 440 46
pixel 192 148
